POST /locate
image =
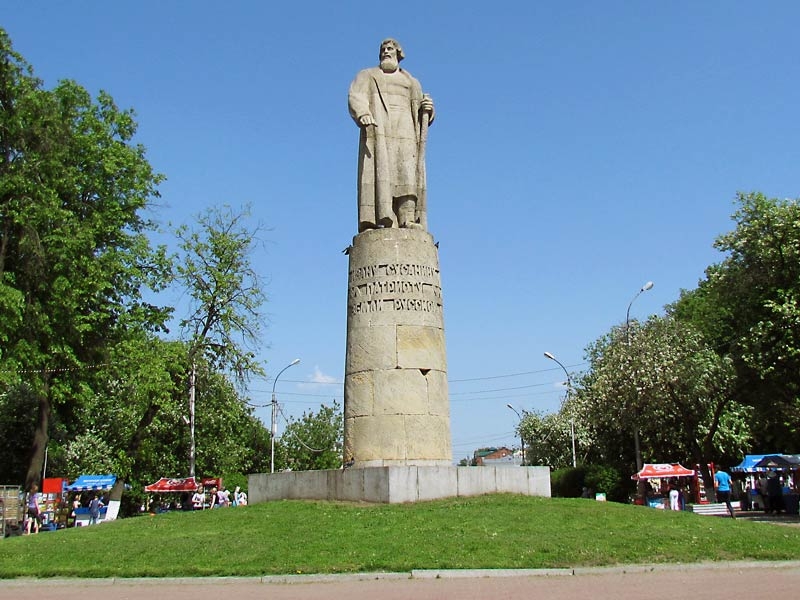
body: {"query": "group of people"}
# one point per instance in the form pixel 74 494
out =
pixel 34 514
pixel 218 498
pixel 767 485
pixel 769 488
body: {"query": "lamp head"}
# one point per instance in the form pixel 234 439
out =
pixel 549 355
pixel 297 360
pixel 647 286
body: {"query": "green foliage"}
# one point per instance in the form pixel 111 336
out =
pixel 224 321
pixel 664 380
pixel 747 307
pixel 567 482
pixel 88 452
pixel 313 442
pixel 498 531
pixel 18 407
pixel 74 255
pixel 548 439
pixel 608 480
pixel 234 480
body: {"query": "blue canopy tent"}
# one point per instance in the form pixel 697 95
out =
pixel 748 465
pixel 780 462
pixel 94 483
pixel 86 483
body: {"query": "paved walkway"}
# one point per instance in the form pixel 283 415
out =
pixel 714 581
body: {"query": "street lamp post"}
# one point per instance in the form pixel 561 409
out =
pixel 637 446
pixel 274 430
pixel 521 439
pixel 192 443
pixel 569 391
pixel 644 288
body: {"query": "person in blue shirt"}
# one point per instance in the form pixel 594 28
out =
pixel 722 482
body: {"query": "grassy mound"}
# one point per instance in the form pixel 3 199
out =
pixel 497 531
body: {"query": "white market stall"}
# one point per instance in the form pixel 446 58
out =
pixel 94 484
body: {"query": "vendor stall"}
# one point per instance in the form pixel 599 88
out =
pixel 53 511
pixel 659 476
pixel 787 468
pixel 88 485
pixel 165 485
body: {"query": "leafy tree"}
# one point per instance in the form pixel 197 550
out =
pixel 663 379
pixel 74 254
pixel 17 425
pixel 214 267
pixel 224 320
pixel 747 307
pixel 313 442
pixel 548 439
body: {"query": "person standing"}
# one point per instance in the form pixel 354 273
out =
pixel 198 499
pixel 761 485
pixel 674 498
pixel 722 483
pixel 393 115
pixel 95 504
pixel 32 507
pixel 774 492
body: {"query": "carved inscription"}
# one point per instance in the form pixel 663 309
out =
pixel 394 287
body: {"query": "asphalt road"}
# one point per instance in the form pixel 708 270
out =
pixel 717 581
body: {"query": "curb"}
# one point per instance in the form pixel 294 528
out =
pixel 413 574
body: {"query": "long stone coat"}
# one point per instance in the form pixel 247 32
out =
pixel 388 164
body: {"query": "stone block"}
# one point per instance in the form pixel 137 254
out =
pixel 400 392
pixel 381 437
pixel 359 389
pixel 428 438
pixel 439 403
pixel 474 481
pixel 436 482
pixel 539 481
pixel 371 348
pixel 402 484
pixel 420 348
pixel 376 485
pixel 513 479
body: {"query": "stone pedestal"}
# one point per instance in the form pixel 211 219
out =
pixel 394 485
pixel 396 406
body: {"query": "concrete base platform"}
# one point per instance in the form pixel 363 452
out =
pixel 394 485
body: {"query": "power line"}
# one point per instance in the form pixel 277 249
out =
pixel 486 378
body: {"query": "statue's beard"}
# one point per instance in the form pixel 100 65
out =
pixel 389 65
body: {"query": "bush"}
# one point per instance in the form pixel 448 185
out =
pixel 569 482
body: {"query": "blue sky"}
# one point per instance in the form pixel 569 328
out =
pixel 580 149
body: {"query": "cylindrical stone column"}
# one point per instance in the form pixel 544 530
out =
pixel 396 406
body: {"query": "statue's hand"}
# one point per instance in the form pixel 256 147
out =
pixel 367 120
pixel 426 105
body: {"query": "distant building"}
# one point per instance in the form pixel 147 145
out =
pixel 496 457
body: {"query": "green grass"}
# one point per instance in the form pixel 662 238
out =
pixel 290 537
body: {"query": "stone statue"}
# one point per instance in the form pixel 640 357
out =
pixel 388 105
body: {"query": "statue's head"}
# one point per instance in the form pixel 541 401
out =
pixel 393 44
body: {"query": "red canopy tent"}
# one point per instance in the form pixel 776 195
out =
pixel 165 485
pixel 662 471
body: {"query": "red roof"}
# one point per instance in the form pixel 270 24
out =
pixel 165 485
pixel 662 470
